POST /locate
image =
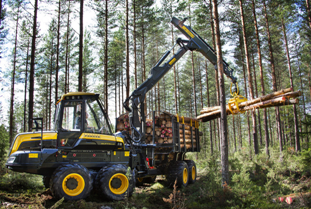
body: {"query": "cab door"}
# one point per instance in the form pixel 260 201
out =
pixel 71 126
pixel 97 126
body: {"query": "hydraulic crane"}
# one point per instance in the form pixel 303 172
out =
pixel 136 99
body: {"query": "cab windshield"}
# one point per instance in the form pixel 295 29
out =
pixel 96 121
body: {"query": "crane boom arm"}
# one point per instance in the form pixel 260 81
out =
pixel 198 44
pixel 194 43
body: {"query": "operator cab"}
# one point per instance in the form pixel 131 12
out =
pixel 81 112
pixel 79 116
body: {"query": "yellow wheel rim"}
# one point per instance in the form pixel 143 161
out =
pixel 73 184
pixel 118 183
pixel 193 173
pixel 185 175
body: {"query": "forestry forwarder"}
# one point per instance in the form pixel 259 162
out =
pixel 82 152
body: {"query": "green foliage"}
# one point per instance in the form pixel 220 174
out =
pixel 21 182
pixel 4 144
pixel 305 160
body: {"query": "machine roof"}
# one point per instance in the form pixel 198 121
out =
pixel 77 94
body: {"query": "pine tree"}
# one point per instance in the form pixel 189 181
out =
pixel 89 65
pixel 18 5
pixel 223 117
pixel 250 84
pixel 81 47
pixel 32 66
pixel 261 77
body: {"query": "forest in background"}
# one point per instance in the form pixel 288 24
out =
pixel 115 55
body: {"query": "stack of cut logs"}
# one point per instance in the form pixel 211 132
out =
pixel 123 123
pixel 279 98
pixel 163 129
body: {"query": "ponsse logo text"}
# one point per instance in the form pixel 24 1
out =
pixel 92 136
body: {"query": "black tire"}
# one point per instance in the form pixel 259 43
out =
pixel 132 174
pixel 46 181
pixel 71 181
pixel 192 171
pixel 178 170
pixel 113 182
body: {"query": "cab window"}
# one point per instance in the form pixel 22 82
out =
pixel 96 121
pixel 72 118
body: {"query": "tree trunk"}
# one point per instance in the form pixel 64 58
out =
pixel 270 128
pixel 45 105
pixel 309 78
pixel 32 66
pixel 143 56
pixel 308 12
pixel 240 132
pixel 245 89
pixel 0 11
pixel 158 95
pixel 115 88
pixel 13 78
pixel 261 79
pixel 250 83
pixel 234 137
pixel 208 104
pixel 81 47
pixel 256 91
pixel 106 59
pixel 119 93
pixel 194 83
pixel 214 46
pixel 201 90
pixel 67 51
pixel 303 101
pixel 134 40
pixel 50 90
pixel 297 141
pixel 223 119
pixel 26 79
pixel 57 52
pixel 175 74
pixel 277 112
pixel 127 50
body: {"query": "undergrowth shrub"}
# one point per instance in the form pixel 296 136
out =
pixel 4 144
pixel 13 181
pixel 305 160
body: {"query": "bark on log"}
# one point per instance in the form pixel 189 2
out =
pixel 187 141
pixel 188 145
pixel 280 101
pixel 284 92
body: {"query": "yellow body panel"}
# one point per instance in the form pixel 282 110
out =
pixel 53 136
pixel 77 94
pixel 101 137
pixel 28 137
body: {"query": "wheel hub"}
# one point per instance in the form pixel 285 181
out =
pixel 116 183
pixel 71 183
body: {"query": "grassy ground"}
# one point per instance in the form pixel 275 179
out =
pixel 256 183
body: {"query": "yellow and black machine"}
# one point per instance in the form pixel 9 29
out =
pixel 82 152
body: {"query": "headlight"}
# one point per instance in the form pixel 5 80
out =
pixel 11 160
